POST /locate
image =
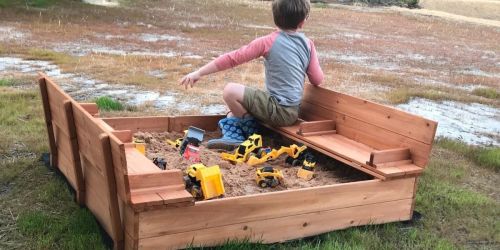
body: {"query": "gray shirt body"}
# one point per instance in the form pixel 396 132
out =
pixel 286 66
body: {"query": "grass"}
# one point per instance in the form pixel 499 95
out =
pixel 488 157
pixel 109 104
pixel 37 210
pixel 490 93
pixel 7 82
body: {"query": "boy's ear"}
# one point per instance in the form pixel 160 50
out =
pixel 301 24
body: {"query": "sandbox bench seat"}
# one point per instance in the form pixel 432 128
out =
pixel 141 206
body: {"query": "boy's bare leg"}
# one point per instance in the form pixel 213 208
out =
pixel 233 97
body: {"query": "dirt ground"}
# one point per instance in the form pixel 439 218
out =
pixel 239 179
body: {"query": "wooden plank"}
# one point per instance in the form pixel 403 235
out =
pixel 116 226
pixel 279 229
pixel 75 154
pixel 125 136
pixel 95 195
pixel 91 108
pixel 395 120
pixel 389 155
pixel 207 122
pixel 120 168
pixel 48 119
pixel 393 163
pixel 316 126
pixel 104 125
pixel 135 124
pixel 157 179
pixel 317 133
pixel 137 163
pixel 66 168
pixel 225 211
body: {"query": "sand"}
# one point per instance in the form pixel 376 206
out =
pixel 239 179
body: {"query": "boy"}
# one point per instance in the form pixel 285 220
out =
pixel 289 56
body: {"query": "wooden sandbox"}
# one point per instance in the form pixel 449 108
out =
pixel 141 206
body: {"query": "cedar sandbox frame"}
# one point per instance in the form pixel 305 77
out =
pixel 143 207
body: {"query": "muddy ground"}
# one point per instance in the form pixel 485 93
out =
pixel 239 179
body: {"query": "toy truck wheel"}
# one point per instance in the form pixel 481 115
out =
pixel 262 184
pixel 289 160
pixel 274 183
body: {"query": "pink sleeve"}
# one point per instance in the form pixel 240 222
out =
pixel 255 49
pixel 314 72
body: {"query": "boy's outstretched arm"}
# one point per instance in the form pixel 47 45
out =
pixel 255 49
pixel 191 78
pixel 314 72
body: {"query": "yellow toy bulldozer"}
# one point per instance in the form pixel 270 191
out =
pixel 204 182
pixel 262 156
pixel 268 177
pixel 242 153
pixel 306 172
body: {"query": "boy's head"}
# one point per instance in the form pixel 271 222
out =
pixel 289 14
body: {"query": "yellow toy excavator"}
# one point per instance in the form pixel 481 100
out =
pixel 262 156
pixel 242 153
pixel 204 182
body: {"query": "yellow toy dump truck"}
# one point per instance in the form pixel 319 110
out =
pixel 268 177
pixel 264 155
pixel 306 172
pixel 204 182
pixel 242 153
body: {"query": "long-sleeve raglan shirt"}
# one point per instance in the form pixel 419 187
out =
pixel 288 57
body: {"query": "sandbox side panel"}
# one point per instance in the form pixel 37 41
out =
pixel 63 130
pixel 206 122
pixel 135 124
pixel 100 183
pixel 120 169
pixel 286 228
pixel 216 213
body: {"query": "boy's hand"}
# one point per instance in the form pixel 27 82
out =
pixel 190 79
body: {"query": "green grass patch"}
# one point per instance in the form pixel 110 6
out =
pixel 488 157
pixel 402 3
pixel 7 82
pixel 490 93
pixel 109 104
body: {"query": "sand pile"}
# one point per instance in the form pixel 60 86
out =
pixel 239 179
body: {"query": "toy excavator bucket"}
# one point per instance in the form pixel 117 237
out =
pixel 211 182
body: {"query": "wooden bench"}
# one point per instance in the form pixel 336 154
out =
pixel 141 206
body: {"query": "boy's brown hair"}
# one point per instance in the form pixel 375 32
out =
pixel 288 14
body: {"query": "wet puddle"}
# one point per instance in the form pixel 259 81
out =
pixel 83 88
pixel 472 123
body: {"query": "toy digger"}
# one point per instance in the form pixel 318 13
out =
pixel 178 142
pixel 306 172
pixel 268 177
pixel 193 136
pixel 242 152
pixel 264 155
pixel 204 182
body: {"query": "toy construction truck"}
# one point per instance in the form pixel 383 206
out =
pixel 204 182
pixel 268 177
pixel 242 153
pixel 306 172
pixel 190 143
pixel 266 154
pixel 178 142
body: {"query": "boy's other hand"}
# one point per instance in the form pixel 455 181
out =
pixel 190 79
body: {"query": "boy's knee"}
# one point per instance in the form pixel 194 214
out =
pixel 232 91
